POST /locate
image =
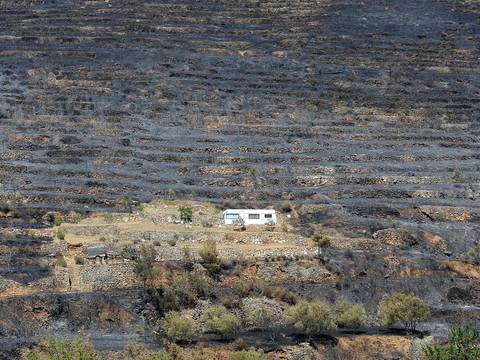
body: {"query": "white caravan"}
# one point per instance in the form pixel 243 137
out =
pixel 249 216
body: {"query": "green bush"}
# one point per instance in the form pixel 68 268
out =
pixel 57 220
pixel 321 240
pixel 251 354
pixel 218 320
pixel 60 235
pixel 126 202
pixel 186 214
pixel 349 315
pixel 63 349
pixel 403 308
pixel 144 264
pixel 209 253
pixel 184 290
pixel 178 327
pixel 463 344
pixel 311 318
pixel 261 316
pixel 108 217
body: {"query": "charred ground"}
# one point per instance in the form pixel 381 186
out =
pixel 364 115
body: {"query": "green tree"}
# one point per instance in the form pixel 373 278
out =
pixel 186 214
pixel 63 349
pixel 350 315
pixel 178 327
pixel 403 308
pixel 218 320
pixel 311 318
pixel 463 344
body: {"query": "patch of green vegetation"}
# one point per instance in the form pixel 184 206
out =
pixel 250 354
pixel 311 318
pixel 210 258
pixel 320 239
pixel 57 220
pixel 402 308
pixel 186 214
pixel 60 235
pixel 179 327
pixel 219 320
pixel 463 344
pixel 63 349
pixel 349 315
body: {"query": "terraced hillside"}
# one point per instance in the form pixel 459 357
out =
pixel 366 115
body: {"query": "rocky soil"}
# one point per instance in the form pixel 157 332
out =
pixel 363 115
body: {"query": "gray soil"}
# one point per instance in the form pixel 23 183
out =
pixel 368 110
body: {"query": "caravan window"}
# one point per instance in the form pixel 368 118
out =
pixel 232 216
pixel 268 216
pixel 254 216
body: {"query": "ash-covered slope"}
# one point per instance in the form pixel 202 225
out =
pixel 372 104
pixel 366 112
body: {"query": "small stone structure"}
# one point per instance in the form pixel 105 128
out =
pixel 97 253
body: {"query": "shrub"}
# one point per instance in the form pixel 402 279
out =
pixel 141 207
pixel 321 240
pixel 186 214
pixel 288 296
pixel 261 316
pixel 172 241
pixel 402 308
pixel 218 320
pixel 60 235
pixel 61 261
pixel 108 217
pixel 144 264
pixel 63 349
pixel 474 255
pixel 79 260
pixel 209 253
pixel 311 318
pixel 57 220
pixel 178 327
pixel 188 258
pixel 126 202
pixel 350 315
pixel 251 354
pixel 183 290
pixel 463 344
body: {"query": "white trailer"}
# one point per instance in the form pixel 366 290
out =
pixel 250 216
